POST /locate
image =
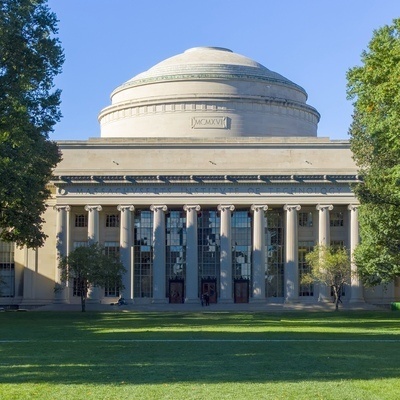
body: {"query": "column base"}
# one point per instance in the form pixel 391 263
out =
pixel 253 300
pixel 160 301
pixel 291 301
pixel 357 300
pixel 225 301
pixel 192 300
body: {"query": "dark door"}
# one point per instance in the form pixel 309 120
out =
pixel 210 288
pixel 176 294
pixel 241 288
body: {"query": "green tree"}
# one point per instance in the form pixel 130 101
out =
pixel 91 266
pixel 30 57
pixel 375 142
pixel 329 266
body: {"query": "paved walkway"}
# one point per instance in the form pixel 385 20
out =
pixel 219 307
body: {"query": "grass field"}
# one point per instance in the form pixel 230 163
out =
pixel 128 355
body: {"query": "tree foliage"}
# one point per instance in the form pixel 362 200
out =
pixel 330 266
pixel 30 58
pixel 375 142
pixel 90 266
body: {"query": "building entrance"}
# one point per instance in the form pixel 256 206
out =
pixel 209 287
pixel 241 290
pixel 176 291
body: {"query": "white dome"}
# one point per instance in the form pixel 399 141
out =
pixel 208 92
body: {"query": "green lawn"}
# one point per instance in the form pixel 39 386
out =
pixel 129 355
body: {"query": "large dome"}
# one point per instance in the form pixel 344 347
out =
pixel 208 92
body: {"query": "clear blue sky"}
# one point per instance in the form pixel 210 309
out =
pixel 311 42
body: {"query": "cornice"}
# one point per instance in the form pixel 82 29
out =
pixel 171 179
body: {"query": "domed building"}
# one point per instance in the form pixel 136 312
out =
pixel 208 178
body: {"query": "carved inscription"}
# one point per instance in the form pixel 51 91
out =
pixel 209 122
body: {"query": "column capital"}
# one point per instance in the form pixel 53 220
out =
pixel 292 207
pixel 353 207
pixel 324 207
pixel 258 207
pixel 223 207
pixel 158 207
pixel 191 207
pixel 125 207
pixel 93 208
pixel 62 208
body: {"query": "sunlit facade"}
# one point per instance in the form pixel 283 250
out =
pixel 208 178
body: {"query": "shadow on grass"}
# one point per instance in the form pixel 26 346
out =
pixel 139 348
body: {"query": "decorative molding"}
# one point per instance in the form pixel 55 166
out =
pixel 90 208
pixel 324 207
pixel 157 207
pixel 122 207
pixel 256 208
pixel 223 208
pixel 290 207
pixel 190 207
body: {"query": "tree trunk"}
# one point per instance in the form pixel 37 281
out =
pixel 83 303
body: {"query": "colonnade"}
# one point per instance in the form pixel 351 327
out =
pixel 291 280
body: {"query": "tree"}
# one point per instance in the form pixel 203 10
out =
pixel 91 266
pixel 330 266
pixel 375 142
pixel 30 57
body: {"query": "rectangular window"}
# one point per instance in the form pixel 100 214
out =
pixel 305 219
pixel 143 254
pixel 274 244
pixel 241 235
pixel 208 242
pixel 336 219
pixel 76 289
pixel 7 270
pixel 81 220
pixel 303 249
pixel 112 221
pixel 112 289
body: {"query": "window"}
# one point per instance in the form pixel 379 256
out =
pixel 7 270
pixel 208 228
pixel 143 254
pixel 304 268
pixel 76 289
pixel 112 221
pixel 81 220
pixel 336 219
pixel 241 245
pixel 111 289
pixel 305 219
pixel 274 275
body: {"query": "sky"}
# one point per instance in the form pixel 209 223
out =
pixel 311 42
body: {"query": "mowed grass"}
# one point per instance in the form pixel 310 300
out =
pixel 129 355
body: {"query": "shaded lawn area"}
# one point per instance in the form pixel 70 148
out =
pixel 128 355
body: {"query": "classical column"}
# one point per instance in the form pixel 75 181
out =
pixel 93 223
pixel 192 258
pixel 258 253
pixel 159 254
pixel 324 239
pixel 125 249
pixel 226 253
pixel 357 295
pixel 62 241
pixel 93 237
pixel 291 254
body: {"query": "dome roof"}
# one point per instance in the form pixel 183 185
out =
pixel 208 92
pixel 213 62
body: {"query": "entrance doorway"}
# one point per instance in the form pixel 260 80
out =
pixel 209 286
pixel 241 290
pixel 176 291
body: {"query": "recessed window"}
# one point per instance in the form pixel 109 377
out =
pixel 305 219
pixel 81 220
pixel 336 219
pixel 112 221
